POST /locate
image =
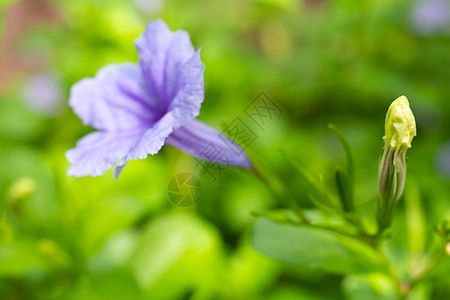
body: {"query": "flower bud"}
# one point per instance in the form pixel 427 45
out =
pixel 400 128
pixel 400 125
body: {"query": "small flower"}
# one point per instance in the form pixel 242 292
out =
pixel 400 128
pixel 137 108
pixel 149 7
pixel 430 16
pixel 44 95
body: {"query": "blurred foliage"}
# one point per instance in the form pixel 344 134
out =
pixel 321 61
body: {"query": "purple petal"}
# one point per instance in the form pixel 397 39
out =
pixel 151 141
pixel 166 59
pixel 98 151
pixel 191 91
pixel 115 99
pixel 205 142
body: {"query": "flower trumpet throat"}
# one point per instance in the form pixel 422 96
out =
pixel 400 129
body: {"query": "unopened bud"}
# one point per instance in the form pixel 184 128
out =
pixel 400 128
pixel 400 125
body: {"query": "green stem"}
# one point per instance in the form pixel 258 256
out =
pixel 281 195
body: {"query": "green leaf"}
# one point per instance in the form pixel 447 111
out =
pixel 415 219
pixel 345 191
pixel 171 249
pixel 369 287
pixel 348 153
pixel 316 248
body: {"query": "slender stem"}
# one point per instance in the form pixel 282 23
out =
pixel 429 267
pixel 281 195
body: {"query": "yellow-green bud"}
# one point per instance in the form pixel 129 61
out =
pixel 400 125
pixel 400 128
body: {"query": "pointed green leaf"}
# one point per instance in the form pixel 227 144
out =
pixel 345 192
pixel 348 153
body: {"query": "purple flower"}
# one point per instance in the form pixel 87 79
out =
pixel 138 108
pixel 442 159
pixel 430 16
pixel 149 7
pixel 44 95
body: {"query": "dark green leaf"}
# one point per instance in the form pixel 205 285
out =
pixel 348 153
pixel 345 190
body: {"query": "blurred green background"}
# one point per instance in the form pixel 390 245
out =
pixel 338 61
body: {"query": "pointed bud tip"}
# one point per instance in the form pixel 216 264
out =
pixel 400 124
